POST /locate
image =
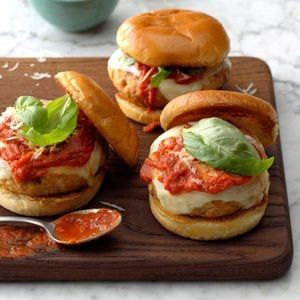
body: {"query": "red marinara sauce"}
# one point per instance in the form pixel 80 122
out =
pixel 75 227
pixel 178 177
pixel 16 242
pixel 74 152
pixel 151 126
pixel 149 93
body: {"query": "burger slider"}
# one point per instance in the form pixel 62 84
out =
pixel 53 153
pixel 164 54
pixel 208 172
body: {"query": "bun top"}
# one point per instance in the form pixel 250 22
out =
pixel 174 37
pixel 105 114
pixel 240 109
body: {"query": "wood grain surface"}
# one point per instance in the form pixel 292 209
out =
pixel 140 249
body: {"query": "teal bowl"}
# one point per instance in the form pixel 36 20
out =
pixel 74 15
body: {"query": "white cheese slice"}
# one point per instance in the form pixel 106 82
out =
pixel 116 61
pixel 170 89
pixel 87 171
pixel 5 172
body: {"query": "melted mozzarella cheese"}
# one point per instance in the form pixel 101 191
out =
pixel 170 89
pixel 247 195
pixel 184 203
pixel 116 61
pixel 4 170
pixel 87 171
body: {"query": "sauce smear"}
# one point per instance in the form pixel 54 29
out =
pixel 76 227
pixel 16 241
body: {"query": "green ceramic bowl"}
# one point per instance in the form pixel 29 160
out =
pixel 74 15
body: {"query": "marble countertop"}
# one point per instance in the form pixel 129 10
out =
pixel 268 29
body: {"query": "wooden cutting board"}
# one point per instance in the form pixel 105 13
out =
pixel 140 249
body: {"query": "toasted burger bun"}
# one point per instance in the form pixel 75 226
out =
pixel 49 205
pixel 140 114
pixel 198 228
pixel 106 116
pixel 173 37
pixel 242 110
pixel 61 179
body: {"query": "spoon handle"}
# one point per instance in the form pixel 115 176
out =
pixel 6 219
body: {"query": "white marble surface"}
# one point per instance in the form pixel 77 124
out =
pixel 269 29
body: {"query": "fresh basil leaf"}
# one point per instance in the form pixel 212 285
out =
pixel 55 136
pixel 248 166
pixel 158 77
pixel 60 111
pixel 50 125
pixel 24 101
pixel 35 117
pixel 31 112
pixel 223 146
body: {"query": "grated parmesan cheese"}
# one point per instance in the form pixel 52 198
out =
pixel 41 59
pixel 251 89
pixel 5 66
pixel 39 76
pixel 38 152
pixel 14 67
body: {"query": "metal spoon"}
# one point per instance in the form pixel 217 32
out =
pixel 50 226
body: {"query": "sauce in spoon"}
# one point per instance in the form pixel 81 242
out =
pixel 75 228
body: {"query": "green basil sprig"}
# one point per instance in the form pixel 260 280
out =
pixel 45 126
pixel 158 77
pixel 223 146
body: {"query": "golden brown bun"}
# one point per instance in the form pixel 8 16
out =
pixel 240 109
pixel 49 205
pixel 108 119
pixel 173 37
pixel 135 112
pixel 198 228
pixel 51 183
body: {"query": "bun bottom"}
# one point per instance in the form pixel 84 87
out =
pixel 49 205
pixel 205 229
pixel 140 114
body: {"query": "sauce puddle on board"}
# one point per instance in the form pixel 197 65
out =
pixel 76 227
pixel 16 241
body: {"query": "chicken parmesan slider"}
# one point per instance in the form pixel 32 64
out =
pixel 164 54
pixel 208 172
pixel 53 153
